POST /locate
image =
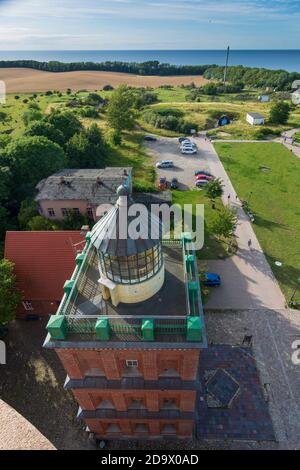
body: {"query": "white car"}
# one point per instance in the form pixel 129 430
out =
pixel 188 150
pixel 165 164
pixel 188 144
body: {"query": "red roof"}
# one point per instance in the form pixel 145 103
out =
pixel 43 261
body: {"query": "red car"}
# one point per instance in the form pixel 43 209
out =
pixel 162 183
pixel 204 177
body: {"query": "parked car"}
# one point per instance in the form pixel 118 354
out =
pixel 183 139
pixel 165 164
pixel 174 183
pixel 162 183
pixel 150 138
pixel 202 176
pixel 211 280
pixel 201 183
pixel 202 172
pixel 189 150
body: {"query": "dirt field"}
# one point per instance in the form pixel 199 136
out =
pixel 22 80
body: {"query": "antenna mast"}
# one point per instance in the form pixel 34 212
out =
pixel 226 65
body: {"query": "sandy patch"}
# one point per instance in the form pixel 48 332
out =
pixel 22 80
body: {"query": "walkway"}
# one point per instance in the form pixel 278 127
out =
pixel 248 281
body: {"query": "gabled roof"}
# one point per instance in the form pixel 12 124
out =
pixel 43 261
pixel 93 185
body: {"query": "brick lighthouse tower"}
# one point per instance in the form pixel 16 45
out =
pixel 130 330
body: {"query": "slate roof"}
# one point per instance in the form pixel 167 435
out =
pixel 43 261
pixel 93 185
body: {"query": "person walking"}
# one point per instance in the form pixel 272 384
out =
pixel 249 243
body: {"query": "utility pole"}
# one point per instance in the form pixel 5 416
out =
pixel 226 65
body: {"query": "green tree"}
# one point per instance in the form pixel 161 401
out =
pixel 214 189
pixel 32 115
pixel 74 221
pixel 3 116
pixel 224 223
pixel 43 128
pixel 280 112
pixel 5 196
pixel 66 122
pixel 10 297
pixel 30 160
pixel 39 224
pixel 120 112
pixel 27 211
pixel 87 149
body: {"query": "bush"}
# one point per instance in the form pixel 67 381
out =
pixel 143 187
pixel 116 138
pixel 169 119
pixel 89 112
pixel 267 131
pixel 108 88
pixel 280 113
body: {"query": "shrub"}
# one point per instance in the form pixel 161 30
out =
pixel 143 187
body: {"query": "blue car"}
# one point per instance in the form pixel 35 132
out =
pixel 212 280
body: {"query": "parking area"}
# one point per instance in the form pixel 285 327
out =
pixel 184 165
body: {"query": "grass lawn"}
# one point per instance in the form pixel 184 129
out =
pixel 212 247
pixel 275 201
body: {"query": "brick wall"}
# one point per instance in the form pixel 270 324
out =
pixel 152 364
pixel 157 428
pixel 121 400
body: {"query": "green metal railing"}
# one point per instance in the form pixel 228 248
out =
pixel 70 321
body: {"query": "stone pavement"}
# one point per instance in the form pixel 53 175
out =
pixel 231 404
pixel 273 333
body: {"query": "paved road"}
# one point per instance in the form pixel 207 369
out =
pixel 184 165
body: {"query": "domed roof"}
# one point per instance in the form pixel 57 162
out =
pixel 123 190
pixel 110 235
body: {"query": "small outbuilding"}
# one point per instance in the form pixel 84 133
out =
pixel 255 119
pixel 264 98
pixel 296 97
pixel 223 121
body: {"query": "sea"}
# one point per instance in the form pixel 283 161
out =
pixel 287 59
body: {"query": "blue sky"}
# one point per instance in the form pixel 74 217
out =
pixel 149 24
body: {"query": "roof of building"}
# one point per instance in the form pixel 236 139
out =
pixel 43 261
pixel 256 115
pixel 111 235
pixel 296 92
pixel 93 185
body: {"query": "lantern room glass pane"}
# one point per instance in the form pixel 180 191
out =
pixel 132 269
